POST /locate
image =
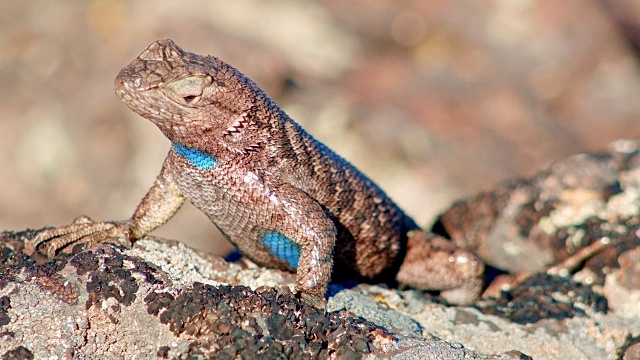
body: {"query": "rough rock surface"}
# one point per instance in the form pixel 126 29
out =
pixel 150 301
pixel 163 299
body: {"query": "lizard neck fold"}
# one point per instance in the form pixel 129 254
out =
pixel 197 158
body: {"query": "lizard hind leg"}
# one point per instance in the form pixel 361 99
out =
pixel 434 263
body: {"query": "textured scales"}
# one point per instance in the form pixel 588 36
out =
pixel 282 247
pixel 283 198
pixel 197 158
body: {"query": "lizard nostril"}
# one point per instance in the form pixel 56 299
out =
pixel 119 88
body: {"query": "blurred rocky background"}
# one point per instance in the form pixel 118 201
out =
pixel 435 100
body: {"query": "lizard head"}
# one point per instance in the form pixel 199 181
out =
pixel 199 101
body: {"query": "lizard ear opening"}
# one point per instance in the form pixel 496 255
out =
pixel 187 91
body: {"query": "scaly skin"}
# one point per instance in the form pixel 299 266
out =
pixel 283 198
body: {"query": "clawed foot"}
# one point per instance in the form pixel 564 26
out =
pixel 83 230
pixel 319 302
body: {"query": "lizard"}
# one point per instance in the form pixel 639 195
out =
pixel 283 198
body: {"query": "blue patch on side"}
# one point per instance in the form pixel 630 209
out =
pixel 282 247
pixel 197 158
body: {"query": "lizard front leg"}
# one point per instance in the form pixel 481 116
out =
pixel 156 208
pixel 297 227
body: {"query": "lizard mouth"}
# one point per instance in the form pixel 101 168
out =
pixel 137 98
pixel 120 90
pixel 123 87
pixel 125 83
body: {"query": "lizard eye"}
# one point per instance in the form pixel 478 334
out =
pixel 190 98
pixel 188 90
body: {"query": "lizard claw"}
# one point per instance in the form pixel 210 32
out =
pixel 319 302
pixel 83 230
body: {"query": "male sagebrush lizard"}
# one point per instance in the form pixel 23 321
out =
pixel 282 197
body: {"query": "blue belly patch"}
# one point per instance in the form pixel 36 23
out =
pixel 197 158
pixel 282 247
